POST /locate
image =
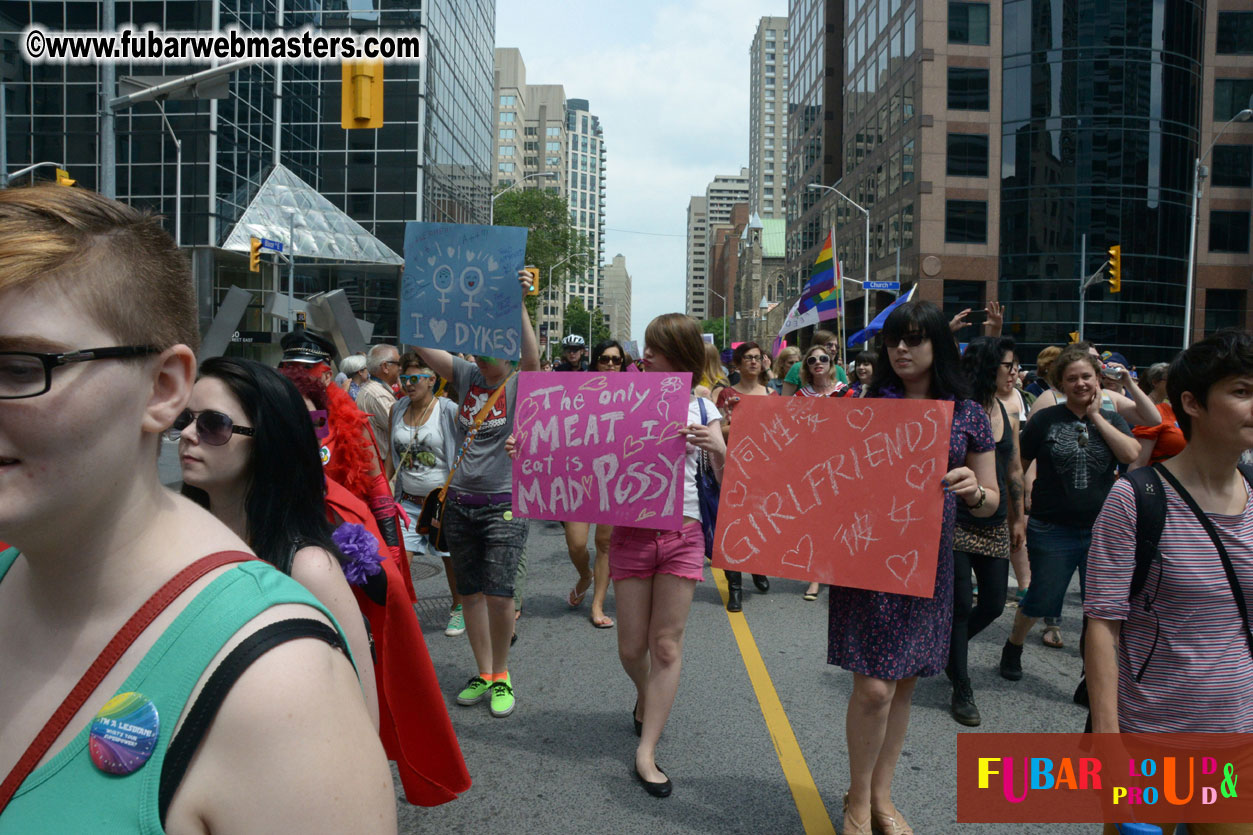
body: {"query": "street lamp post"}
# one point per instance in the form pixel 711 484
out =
pixel 865 291
pixel 1199 172
pixel 725 314
pixel 491 212
pixel 550 282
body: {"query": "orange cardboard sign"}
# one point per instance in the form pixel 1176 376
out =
pixel 843 491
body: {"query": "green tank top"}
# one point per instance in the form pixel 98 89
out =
pixel 68 793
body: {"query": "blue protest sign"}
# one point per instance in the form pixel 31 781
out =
pixel 459 291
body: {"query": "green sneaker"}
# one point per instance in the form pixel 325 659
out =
pixel 456 622
pixel 502 697
pixel 475 689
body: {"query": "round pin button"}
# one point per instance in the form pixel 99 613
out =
pixel 325 454
pixel 508 515
pixel 124 733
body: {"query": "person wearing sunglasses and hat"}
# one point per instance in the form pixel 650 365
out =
pixel 98 334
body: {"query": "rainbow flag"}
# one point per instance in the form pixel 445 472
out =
pixel 823 295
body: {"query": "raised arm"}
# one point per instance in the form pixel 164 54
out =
pixel 1137 410
pixel 530 345
pixel 1124 446
pixel 438 361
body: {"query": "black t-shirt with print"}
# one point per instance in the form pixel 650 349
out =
pixel 1075 469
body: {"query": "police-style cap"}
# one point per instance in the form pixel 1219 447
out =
pixel 305 346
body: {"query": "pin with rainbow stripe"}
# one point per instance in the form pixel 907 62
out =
pixel 124 733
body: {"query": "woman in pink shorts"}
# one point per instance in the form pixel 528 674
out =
pixel 655 572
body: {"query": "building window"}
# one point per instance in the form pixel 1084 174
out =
pixel 968 88
pixel 1231 95
pixel 966 221
pixel 506 150
pixel 530 162
pixel 531 131
pixel 1228 231
pixel 552 160
pixel 1233 165
pixel 968 23
pixel 1235 33
pixel 504 167
pixel 553 131
pixel 508 117
pixel 907 163
pixel 508 101
pixel 530 146
pixel 552 146
pixel 967 155
pixel 1224 309
pixel 508 133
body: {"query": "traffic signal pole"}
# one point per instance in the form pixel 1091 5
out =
pixel 1086 281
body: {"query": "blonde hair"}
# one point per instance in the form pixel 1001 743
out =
pixel 114 261
pixel 789 356
pixel 677 338
pixel 808 378
pixel 1045 359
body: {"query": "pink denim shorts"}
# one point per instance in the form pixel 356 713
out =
pixel 643 552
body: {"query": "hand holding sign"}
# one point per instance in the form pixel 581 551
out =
pixel 460 290
pixel 590 448
pixel 846 492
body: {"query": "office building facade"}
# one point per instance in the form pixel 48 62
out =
pixel 617 298
pixel 723 195
pixel 767 118
pixel 696 305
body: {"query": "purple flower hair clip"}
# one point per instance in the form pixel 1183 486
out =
pixel 362 550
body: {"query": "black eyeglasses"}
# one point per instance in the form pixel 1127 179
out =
pixel 609 359
pixel 751 358
pixel 29 373
pixel 913 340
pixel 1009 366
pixel 818 359
pixel 212 428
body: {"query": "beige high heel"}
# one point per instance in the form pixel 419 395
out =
pixel 852 827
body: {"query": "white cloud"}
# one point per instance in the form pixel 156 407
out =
pixel 670 85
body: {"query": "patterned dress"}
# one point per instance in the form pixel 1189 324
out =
pixel 896 636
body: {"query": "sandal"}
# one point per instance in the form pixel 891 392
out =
pixel 888 825
pixel 576 597
pixel 852 827
pixel 1052 637
pixel 602 622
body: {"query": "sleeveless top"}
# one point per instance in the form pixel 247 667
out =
pixel 68 793
pixel 1004 449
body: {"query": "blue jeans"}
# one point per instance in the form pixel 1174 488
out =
pixel 1054 551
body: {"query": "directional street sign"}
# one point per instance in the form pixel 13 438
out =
pixel 866 285
pixel 275 246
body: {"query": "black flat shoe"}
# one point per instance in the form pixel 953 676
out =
pixel 655 789
pixel 639 726
pixel 762 582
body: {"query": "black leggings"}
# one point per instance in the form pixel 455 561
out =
pixel 993 576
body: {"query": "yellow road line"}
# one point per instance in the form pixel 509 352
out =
pixel 814 815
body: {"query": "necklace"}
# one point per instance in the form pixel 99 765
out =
pixel 425 413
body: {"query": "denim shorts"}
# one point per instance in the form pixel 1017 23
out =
pixel 416 543
pixel 643 552
pixel 485 546
pixel 1054 552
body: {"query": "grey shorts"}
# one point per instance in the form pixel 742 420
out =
pixel 485 547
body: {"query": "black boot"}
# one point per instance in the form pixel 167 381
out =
pixel 1011 662
pixel 734 592
pixel 762 582
pixel 963 707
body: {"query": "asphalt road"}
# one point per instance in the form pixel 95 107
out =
pixel 562 763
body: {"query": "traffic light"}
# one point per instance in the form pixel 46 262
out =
pixel 361 104
pixel 1074 337
pixel 254 255
pixel 1115 269
pixel 63 178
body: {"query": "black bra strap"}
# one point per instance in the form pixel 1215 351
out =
pixel 184 745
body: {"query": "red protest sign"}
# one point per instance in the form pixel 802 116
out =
pixel 843 491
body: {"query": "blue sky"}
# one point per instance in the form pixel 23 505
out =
pixel 670 85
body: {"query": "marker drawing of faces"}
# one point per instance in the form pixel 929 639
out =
pixel 443 282
pixel 471 285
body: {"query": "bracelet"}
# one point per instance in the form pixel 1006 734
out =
pixel 983 497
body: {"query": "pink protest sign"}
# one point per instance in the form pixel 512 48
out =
pixel 843 491
pixel 601 448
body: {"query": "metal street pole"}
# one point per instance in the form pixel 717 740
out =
pixel 491 209
pixel 549 291
pixel 1083 280
pixel 725 313
pixel 108 121
pixel 865 292
pixel 1198 172
pixel 291 267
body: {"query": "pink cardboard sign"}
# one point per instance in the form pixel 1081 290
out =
pixel 601 448
pixel 843 491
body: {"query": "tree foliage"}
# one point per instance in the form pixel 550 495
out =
pixel 550 237
pixel 576 322
pixel 717 327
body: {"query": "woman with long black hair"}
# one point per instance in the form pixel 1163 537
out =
pixel 889 640
pixel 983 545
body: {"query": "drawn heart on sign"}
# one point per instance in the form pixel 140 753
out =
pixel 645 514
pixel 671 430
pixel 918 474
pixel 736 496
pixel 859 419
pixel 631 446
pixel 908 562
pixel 595 383
pixel 802 555
pixel 438 327
pixel 586 481
pixel 527 410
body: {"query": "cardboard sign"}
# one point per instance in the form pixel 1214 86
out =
pixel 459 291
pixel 601 448
pixel 843 491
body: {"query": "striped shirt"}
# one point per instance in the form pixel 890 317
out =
pixel 1200 676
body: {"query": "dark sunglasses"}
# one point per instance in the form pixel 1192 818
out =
pixel 913 340
pixel 212 428
pixel 406 379
pixel 818 359
pixel 609 359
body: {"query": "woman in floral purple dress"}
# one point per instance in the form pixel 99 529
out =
pixel 889 640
